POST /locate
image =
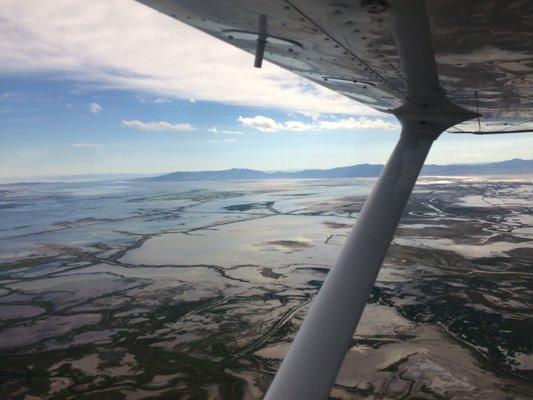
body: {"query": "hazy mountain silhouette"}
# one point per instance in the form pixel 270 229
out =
pixel 510 167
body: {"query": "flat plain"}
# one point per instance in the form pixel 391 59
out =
pixel 139 290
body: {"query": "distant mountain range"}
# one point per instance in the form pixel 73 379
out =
pixel 510 167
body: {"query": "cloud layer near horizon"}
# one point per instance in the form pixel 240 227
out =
pixel 124 44
pixel 266 124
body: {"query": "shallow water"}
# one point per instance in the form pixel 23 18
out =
pixel 162 287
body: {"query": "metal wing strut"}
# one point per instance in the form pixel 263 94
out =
pixel 310 367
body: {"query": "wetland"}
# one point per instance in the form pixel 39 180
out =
pixel 194 290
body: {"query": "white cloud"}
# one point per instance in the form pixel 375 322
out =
pixel 261 123
pixel 214 129
pixel 87 145
pixel 314 115
pixel 162 100
pixel 358 124
pixel 266 124
pixel 222 141
pixel 158 126
pixel 124 44
pixel 95 108
pixel 296 126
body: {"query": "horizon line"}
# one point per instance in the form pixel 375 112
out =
pixel 23 179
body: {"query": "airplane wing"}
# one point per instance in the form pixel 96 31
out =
pixel 482 49
pixel 436 65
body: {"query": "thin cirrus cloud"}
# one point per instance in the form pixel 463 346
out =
pixel 158 126
pixel 127 45
pixel 266 124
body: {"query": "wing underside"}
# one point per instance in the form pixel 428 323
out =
pixel 483 50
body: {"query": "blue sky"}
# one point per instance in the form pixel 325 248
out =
pixel 121 88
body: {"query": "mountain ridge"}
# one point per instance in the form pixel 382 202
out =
pixel 515 166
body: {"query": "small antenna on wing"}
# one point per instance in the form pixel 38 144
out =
pixel 477 111
pixel 261 41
